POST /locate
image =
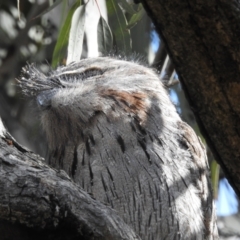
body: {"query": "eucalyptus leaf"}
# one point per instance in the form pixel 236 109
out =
pixel 136 18
pixel 127 6
pixel 76 35
pixel 215 168
pixel 118 24
pixel 105 39
pixel 93 11
pixel 60 49
pixel 18 7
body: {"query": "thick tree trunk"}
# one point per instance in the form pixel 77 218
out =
pixel 38 202
pixel 202 38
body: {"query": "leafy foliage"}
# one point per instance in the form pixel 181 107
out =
pixel 105 39
pixel 76 35
pixel 112 34
pixel 62 40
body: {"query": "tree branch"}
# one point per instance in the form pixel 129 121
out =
pixel 34 195
pixel 202 39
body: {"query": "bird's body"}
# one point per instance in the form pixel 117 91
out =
pixel 112 128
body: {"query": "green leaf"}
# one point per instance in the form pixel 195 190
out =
pixel 118 24
pixel 18 7
pixel 50 8
pixel 136 18
pixel 126 6
pixel 76 35
pixel 105 40
pixel 215 168
pixel 60 49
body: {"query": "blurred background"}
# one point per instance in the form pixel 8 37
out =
pixel 38 31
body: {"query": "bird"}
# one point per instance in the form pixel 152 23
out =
pixel 111 125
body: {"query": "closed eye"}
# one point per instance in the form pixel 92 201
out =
pixel 92 72
pixel 73 76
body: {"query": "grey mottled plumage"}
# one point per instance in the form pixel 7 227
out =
pixel 112 128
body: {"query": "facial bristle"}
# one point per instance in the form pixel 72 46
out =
pixel 32 81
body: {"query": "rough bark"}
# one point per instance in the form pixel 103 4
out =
pixel 38 202
pixel 202 38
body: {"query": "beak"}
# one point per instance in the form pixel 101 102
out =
pixel 44 99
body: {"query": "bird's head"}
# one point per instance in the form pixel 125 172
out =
pixel 72 97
